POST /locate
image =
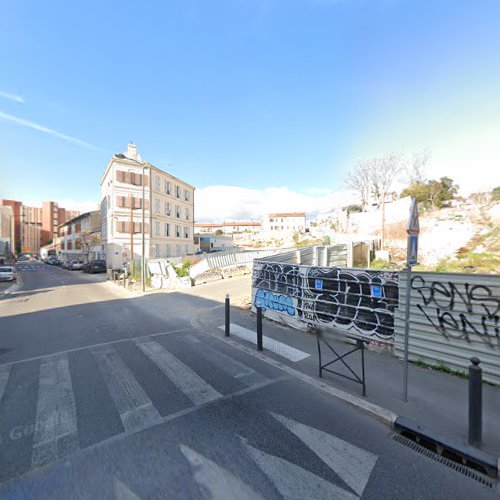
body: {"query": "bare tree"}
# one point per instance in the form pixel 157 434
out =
pixel 359 179
pixel 89 240
pixel 416 166
pixel 382 174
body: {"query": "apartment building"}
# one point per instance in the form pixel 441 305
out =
pixel 6 232
pixel 229 227
pixel 81 238
pixel 285 222
pixel 53 216
pixel 131 188
pixel 34 226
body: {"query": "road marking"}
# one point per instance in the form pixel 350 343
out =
pixel 135 408
pixel 4 378
pixel 275 346
pixel 56 432
pixel 185 379
pixel 242 372
pixel 111 342
pixel 354 465
pixel 216 480
pixel 123 492
pixel 294 482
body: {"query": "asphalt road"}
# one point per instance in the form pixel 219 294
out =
pixel 108 396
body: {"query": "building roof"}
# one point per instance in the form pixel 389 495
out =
pixel 288 214
pixel 79 217
pixel 131 156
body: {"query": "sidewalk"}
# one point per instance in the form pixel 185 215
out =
pixel 437 400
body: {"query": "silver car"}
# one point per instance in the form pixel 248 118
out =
pixel 76 265
pixel 7 273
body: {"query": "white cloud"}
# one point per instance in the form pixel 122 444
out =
pixel 219 203
pixel 46 130
pixel 12 97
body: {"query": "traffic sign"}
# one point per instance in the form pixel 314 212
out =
pixel 124 254
pixel 413 224
pixel 412 250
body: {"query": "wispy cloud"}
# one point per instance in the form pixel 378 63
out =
pixel 46 130
pixel 12 97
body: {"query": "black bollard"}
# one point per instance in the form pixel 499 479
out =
pixel 259 328
pixel 475 402
pixel 226 331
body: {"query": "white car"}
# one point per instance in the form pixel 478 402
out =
pixel 7 273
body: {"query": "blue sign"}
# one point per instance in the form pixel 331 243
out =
pixel 117 253
pixel 412 249
pixel 376 291
pixel 318 284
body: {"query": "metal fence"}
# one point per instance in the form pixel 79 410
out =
pixel 356 300
pixel 221 260
pixel 453 316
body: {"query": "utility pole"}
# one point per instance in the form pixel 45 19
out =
pixel 143 263
pixel 131 199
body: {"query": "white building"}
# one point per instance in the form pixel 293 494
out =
pixel 127 185
pixel 286 222
pixel 229 227
pixel 210 242
pixel 81 237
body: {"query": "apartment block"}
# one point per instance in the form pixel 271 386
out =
pixel 132 190
pixel 80 238
pixel 229 227
pixel 34 227
pixel 6 232
pixel 285 222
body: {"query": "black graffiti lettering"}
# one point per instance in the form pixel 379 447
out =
pixel 421 288
pixel 437 326
pixel 448 301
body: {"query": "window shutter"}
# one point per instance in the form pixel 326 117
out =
pixel 119 176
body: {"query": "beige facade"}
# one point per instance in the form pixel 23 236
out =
pixel 286 222
pixel 128 185
pixel 81 238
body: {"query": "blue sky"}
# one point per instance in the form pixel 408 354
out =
pixel 272 97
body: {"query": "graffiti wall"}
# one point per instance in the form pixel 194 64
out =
pixel 361 301
pixel 452 318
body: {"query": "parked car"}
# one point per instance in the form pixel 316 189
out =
pixel 66 264
pixel 52 260
pixel 23 258
pixel 76 265
pixel 96 266
pixel 7 273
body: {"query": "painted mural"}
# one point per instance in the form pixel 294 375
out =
pixel 357 300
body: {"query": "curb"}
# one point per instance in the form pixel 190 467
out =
pixel 383 415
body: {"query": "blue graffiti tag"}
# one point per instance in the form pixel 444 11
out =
pixel 275 302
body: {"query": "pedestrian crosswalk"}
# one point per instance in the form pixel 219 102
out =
pixel 48 410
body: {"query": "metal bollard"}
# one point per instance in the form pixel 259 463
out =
pixel 226 331
pixel 259 328
pixel 475 402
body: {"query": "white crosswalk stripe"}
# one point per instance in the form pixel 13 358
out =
pixel 135 408
pixel 185 379
pixel 242 372
pixel 56 433
pixel 4 378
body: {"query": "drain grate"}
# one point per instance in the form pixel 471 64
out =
pixel 445 461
